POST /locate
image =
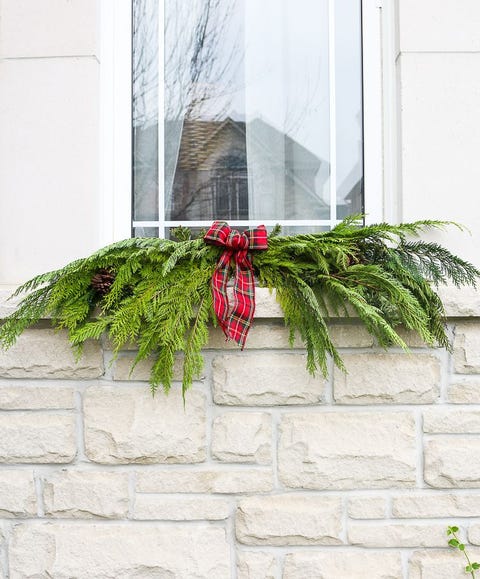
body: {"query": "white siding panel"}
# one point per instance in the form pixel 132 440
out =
pixel 48 164
pixel 439 25
pixel 48 28
pixel 440 96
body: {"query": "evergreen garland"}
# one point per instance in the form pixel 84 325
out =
pixel 156 293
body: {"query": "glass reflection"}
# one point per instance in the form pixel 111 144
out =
pixel 145 81
pixel 247 109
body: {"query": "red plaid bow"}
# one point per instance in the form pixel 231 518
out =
pixel 235 322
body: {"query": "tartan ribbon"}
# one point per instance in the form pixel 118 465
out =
pixel 235 321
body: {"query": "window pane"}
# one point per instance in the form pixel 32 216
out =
pixel 145 232
pixel 145 110
pixel 349 121
pixel 262 110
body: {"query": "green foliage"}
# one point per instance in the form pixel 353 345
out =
pixel 161 299
pixel 457 544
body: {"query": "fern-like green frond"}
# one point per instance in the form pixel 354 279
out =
pixel 161 300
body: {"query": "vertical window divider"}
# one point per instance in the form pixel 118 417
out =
pixel 115 181
pixel 373 109
pixel 161 118
pixel 333 113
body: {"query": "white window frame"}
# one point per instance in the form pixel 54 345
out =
pixel 379 120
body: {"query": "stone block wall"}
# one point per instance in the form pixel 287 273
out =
pixel 267 473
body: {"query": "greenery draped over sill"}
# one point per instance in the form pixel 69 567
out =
pixel 161 298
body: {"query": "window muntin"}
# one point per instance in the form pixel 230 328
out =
pixel 261 112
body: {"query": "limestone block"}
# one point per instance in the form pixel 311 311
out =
pixel 255 565
pixel 383 378
pixel 452 462
pixel 86 494
pixel 122 369
pixel 205 481
pixel 467 348
pixel 464 392
pixel 103 551
pixel 289 520
pixel 151 507
pixel 397 535
pixel 265 379
pixel 343 564
pixel 474 535
pixel 439 564
pixel 48 354
pixel 448 420
pixel 431 505
pixel 17 494
pixel 266 305
pixel 347 450
pixel 127 425
pixel 242 437
pixel 37 437
pixel 49 28
pixel 460 302
pixel 410 337
pixel 268 335
pixel 22 397
pixel 350 335
pixel 367 507
pixel 263 335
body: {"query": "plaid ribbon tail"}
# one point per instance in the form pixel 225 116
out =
pixel 219 291
pixel 243 309
pixel 235 322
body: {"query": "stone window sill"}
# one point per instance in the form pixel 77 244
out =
pixel 459 303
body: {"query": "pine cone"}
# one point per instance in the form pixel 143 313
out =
pixel 102 281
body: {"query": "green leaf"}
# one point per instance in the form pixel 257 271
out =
pixel 475 565
pixel 468 569
pixel 461 547
pixel 454 529
pixel 453 543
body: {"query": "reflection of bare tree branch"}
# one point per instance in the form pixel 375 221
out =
pixel 200 63
pixel 201 67
pixel 144 61
pixel 200 70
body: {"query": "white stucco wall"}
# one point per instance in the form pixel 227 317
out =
pixel 439 95
pixel 49 134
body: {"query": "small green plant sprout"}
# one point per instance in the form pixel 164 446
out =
pixel 457 544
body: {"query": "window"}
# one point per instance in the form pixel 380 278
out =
pixel 252 112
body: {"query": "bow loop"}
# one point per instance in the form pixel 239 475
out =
pixel 235 321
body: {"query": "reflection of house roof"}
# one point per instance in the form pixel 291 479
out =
pixel 200 139
pixel 296 156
